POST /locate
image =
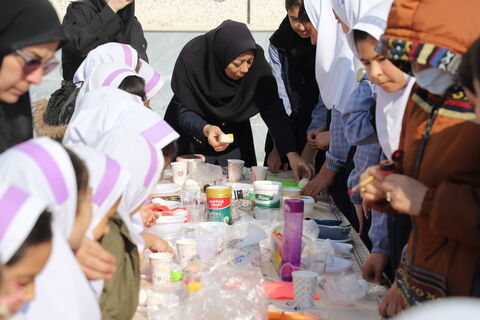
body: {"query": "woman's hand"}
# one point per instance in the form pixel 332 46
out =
pixel 373 191
pixel 212 133
pixel 300 168
pixel 404 193
pixel 96 262
pixel 274 162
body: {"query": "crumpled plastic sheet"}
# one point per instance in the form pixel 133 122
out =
pixel 346 289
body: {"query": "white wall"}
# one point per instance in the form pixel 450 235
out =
pixel 201 15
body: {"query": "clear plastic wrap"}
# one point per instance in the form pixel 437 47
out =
pixel 346 289
pixel 227 292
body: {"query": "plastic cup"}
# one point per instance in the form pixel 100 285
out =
pixel 192 164
pixel 235 169
pixel 259 173
pixel 161 267
pixel 186 249
pixel 207 245
pixel 179 172
pixel 304 287
pixel 197 212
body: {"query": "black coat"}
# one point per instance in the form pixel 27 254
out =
pixel 91 23
pixel 15 122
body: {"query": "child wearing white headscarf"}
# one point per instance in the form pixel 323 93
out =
pixel 104 109
pixel 120 294
pixel 25 245
pixel 47 170
pixel 124 54
pixel 108 181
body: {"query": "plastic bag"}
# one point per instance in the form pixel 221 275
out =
pixel 208 174
pixel 268 214
pixel 310 229
pixel 228 292
pixel 345 289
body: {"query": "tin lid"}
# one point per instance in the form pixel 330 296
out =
pixel 293 205
pixel 225 191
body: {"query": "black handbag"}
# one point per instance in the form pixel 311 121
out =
pixel 61 104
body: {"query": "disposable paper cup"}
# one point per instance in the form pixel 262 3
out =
pixel 235 169
pixel 179 172
pixel 186 249
pixel 193 164
pixel 259 173
pixel 161 267
pixel 207 245
pixel 304 287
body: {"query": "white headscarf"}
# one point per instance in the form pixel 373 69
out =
pixel 334 68
pixel 350 12
pixel 107 75
pixel 153 80
pixel 145 164
pixel 19 214
pixel 112 52
pixel 43 168
pixel 390 106
pixel 62 290
pixel 105 109
pixel 107 179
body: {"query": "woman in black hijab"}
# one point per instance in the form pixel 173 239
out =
pixel 220 80
pixel 30 33
pixel 91 23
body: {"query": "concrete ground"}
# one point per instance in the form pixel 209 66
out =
pixel 163 49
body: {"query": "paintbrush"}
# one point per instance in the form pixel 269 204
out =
pixel 362 184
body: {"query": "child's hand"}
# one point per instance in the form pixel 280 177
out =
pixel 149 214
pixel 157 244
pixel 96 262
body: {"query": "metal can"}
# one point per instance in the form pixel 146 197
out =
pixel 219 200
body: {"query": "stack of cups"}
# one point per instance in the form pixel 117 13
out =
pixel 304 287
pixel 259 173
pixel 186 249
pixel 161 267
pixel 179 172
pixel 235 169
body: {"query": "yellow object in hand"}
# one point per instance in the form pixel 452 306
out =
pixel 226 138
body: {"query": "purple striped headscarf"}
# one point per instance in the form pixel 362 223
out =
pixel 144 162
pixel 108 180
pixel 43 169
pixel 19 211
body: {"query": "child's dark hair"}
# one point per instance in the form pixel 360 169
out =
pixel 40 233
pixel 81 172
pixel 470 67
pixel 302 13
pixel 170 150
pixel 289 4
pixel 359 35
pixel 134 85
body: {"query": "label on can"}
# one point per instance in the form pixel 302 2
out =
pixel 219 209
pixel 267 201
